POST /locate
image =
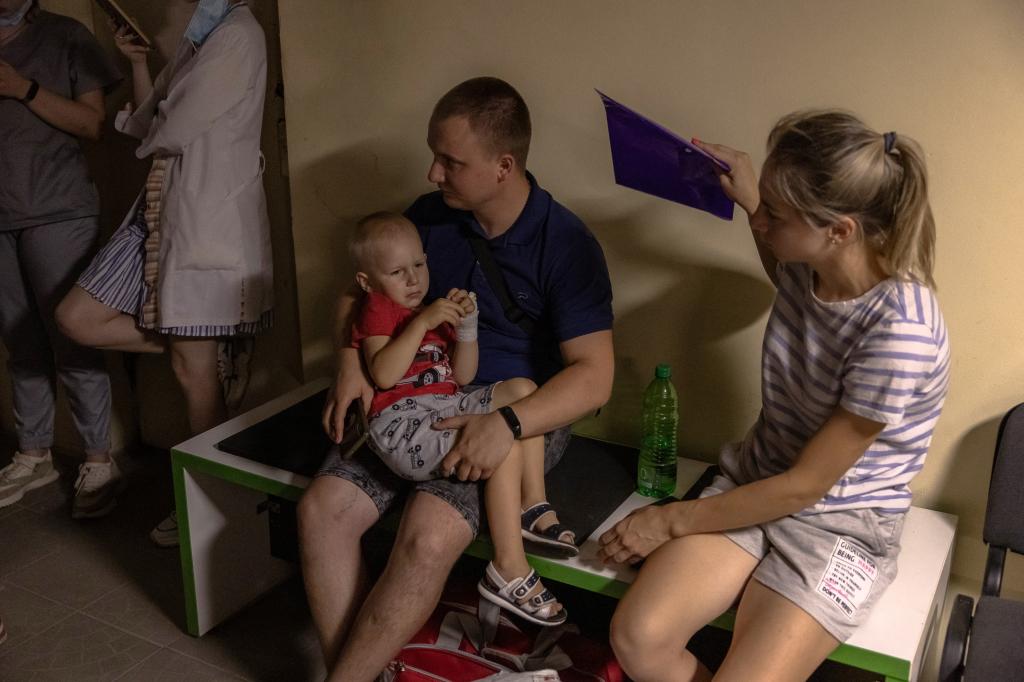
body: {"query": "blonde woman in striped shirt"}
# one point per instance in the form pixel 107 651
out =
pixel 802 527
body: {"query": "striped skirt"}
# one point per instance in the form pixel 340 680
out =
pixel 116 278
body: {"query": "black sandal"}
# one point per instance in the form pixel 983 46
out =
pixel 555 541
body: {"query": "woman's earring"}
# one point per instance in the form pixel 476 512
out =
pixel 833 241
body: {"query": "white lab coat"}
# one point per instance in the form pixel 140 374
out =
pixel 205 114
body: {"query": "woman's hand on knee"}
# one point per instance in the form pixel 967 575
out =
pixel 636 536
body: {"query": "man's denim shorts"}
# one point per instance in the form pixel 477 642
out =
pixel 384 487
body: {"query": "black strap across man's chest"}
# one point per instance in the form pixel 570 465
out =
pixel 513 312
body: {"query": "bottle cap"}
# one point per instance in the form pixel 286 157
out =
pixel 663 371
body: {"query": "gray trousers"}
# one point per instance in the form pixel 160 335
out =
pixel 38 265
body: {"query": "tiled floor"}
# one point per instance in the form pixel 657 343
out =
pixel 95 600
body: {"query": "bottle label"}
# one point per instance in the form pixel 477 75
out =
pixel 655 479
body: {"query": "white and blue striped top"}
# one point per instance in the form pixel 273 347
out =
pixel 883 356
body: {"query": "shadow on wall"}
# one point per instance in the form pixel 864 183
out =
pixel 371 175
pixel 962 490
pixel 694 308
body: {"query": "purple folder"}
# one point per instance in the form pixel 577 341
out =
pixel 654 160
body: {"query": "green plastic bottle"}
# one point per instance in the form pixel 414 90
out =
pixel 656 469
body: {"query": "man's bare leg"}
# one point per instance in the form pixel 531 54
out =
pixel 333 515
pixel 430 539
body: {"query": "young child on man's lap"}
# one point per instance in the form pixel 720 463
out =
pixel 419 358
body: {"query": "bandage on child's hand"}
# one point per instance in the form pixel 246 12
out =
pixel 467 327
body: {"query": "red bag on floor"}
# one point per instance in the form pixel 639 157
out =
pixel 430 663
pixel 468 639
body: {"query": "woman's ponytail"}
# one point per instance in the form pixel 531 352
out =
pixel 910 244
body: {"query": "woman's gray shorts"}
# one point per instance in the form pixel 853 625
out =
pixel 833 565
pixel 366 470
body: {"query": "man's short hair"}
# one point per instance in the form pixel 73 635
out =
pixel 496 112
pixel 375 229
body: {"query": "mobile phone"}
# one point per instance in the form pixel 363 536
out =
pixel 121 19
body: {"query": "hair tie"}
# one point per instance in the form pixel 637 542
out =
pixel 890 141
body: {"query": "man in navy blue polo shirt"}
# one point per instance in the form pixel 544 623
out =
pixel 555 271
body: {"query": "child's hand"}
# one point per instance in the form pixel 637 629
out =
pixel 440 311
pixel 465 299
pixel 466 330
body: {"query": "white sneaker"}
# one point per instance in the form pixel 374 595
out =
pixel 166 532
pixel 96 490
pixel 25 473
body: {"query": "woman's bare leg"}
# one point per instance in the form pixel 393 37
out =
pixel 682 586
pixel 88 322
pixel 194 361
pixel 774 640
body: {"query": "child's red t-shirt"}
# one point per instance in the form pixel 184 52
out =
pixel 430 372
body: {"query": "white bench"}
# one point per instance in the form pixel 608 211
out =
pixel 227 563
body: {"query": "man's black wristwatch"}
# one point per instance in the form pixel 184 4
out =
pixel 512 420
pixel 33 89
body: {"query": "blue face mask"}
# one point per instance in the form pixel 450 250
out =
pixel 13 18
pixel 208 14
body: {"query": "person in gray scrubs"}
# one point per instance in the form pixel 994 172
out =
pixel 53 75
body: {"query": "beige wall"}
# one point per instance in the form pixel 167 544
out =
pixel 361 79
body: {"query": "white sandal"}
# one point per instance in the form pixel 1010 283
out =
pixel 513 595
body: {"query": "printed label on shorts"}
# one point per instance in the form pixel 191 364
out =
pixel 848 578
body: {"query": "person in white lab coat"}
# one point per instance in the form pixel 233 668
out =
pixel 191 263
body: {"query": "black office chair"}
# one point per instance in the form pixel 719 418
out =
pixel 993 636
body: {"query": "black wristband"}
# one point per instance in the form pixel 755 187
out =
pixel 512 420
pixel 33 90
